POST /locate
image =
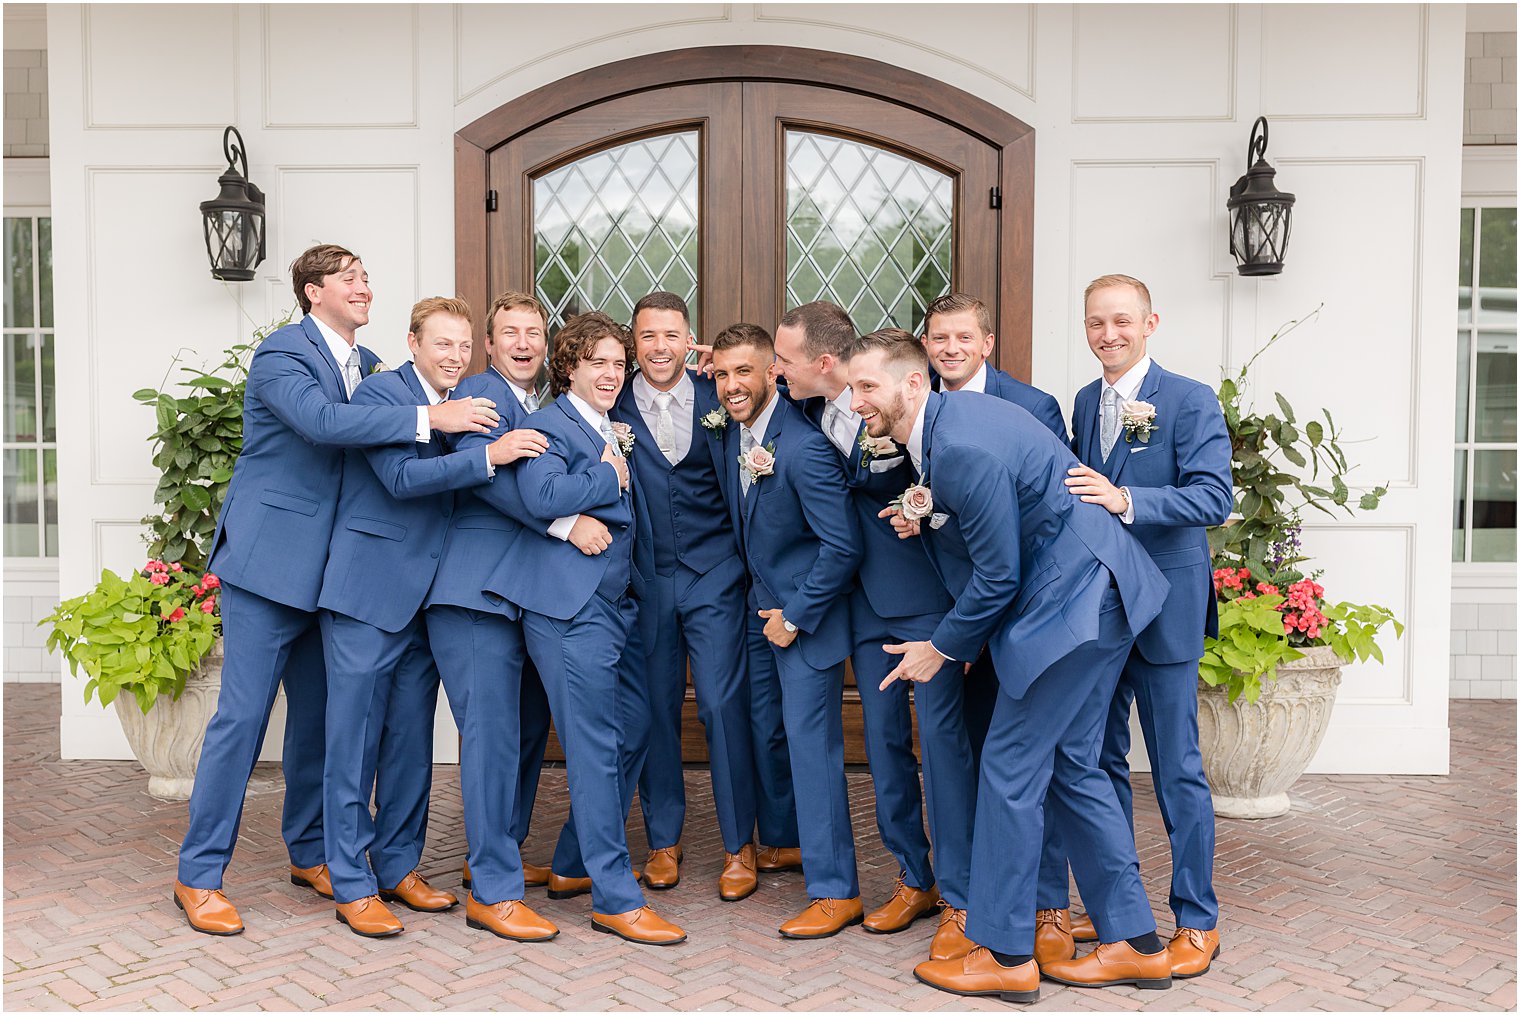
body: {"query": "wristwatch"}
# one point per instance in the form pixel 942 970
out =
pixel 791 628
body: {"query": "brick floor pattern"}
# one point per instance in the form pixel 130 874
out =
pixel 1373 893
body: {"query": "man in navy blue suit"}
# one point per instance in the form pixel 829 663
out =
pixel 579 611
pixel 1155 452
pixel 788 502
pixel 1057 590
pixel 695 599
pixel 270 550
pixel 896 597
pixel 392 521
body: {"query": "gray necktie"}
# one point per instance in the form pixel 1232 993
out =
pixel 832 417
pixel 746 443
pixel 351 376
pixel 531 402
pixel 1110 421
pixel 611 436
pixel 665 425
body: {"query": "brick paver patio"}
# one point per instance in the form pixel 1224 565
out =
pixel 1373 893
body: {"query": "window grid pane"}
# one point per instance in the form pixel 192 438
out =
pixel 21 494
pixel 1459 508
pixel 29 430
pixel 19 291
pixel 1493 506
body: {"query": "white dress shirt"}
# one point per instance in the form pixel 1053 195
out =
pixel 341 347
pixel 560 527
pixel 846 423
pixel 976 382
pixel 1126 387
pixel 684 397
pixel 916 440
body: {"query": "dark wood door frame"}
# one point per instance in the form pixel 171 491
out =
pixel 1013 139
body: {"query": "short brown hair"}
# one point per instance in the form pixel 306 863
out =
pixel 660 301
pixel 899 345
pixel 423 309
pixel 736 335
pixel 1106 281
pixel 826 328
pixel 577 340
pixel 315 264
pixel 959 303
pixel 514 300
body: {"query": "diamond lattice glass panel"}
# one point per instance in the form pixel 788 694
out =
pixel 613 226
pixel 867 229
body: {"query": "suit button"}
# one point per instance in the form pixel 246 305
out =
pixel 434 555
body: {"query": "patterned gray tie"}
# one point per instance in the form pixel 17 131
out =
pixel 351 375
pixel 665 425
pixel 1110 421
pixel 746 443
pixel 531 402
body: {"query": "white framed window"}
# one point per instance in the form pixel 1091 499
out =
pixel 30 437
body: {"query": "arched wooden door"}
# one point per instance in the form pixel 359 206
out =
pixel 749 180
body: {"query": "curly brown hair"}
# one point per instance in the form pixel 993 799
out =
pixel 577 340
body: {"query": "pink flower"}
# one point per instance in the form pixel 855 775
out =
pixel 1266 590
pixel 176 567
pixel 917 503
pixel 178 614
pixel 211 581
pixel 209 605
pixel 198 591
pixel 759 462
pixel 155 566
pixel 159 578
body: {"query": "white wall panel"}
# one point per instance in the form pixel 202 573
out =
pixel 1369 563
pixel 340 66
pixel 119 545
pixel 160 65
pixel 1343 60
pixel 1151 62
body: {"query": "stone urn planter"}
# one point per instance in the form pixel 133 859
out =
pixel 167 740
pixel 1252 753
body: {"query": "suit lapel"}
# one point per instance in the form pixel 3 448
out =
pixel 1087 426
pixel 771 436
pixel 324 352
pixel 931 413
pixel 628 412
pixel 1122 448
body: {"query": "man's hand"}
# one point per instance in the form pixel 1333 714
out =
pixel 920 662
pixel 1094 488
pixel 463 415
pixel 619 463
pixel 704 357
pixel 589 535
pixel 905 528
pixel 775 629
pixel 515 444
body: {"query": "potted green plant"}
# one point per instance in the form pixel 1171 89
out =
pixel 1267 683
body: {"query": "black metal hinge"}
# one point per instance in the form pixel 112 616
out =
pixel 490 200
pixel 995 197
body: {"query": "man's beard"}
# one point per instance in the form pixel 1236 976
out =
pixel 890 416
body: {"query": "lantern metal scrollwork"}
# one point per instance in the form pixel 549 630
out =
pixel 1261 216
pixel 234 219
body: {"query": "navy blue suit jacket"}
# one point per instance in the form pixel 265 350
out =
pixel 1180 483
pixel 277 519
pixel 393 514
pixel 1037 403
pixel 798 532
pixel 1022 556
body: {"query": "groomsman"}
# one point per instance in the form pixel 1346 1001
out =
pixel 695 598
pixel 897 597
pixel 270 550
pixel 579 610
pixel 1057 590
pixel 1155 453
pixel 802 546
pixel 382 686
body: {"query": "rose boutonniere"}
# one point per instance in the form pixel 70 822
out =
pixel 624 434
pixel 875 447
pixel 1138 420
pixel 915 503
pixel 715 421
pixel 379 367
pixel 759 461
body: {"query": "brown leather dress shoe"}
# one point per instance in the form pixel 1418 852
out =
pixel 824 918
pixel 465 881
pixel 314 878
pixel 641 926
pixel 978 974
pixel 368 917
pixel 950 941
pixel 738 880
pixel 1052 936
pixel 208 910
pixel 534 876
pixel 1082 928
pixel 561 887
pixel 416 894
pixel 778 858
pixel 1192 951
pixel 512 920
pixel 1112 964
pixel 663 868
pixel 906 905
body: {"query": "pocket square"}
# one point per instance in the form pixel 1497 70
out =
pixel 938 518
pixel 884 464
pixel 1136 451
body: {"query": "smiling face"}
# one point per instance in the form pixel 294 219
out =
pixel 746 379
pixel 342 300
pixel 517 344
pixel 957 346
pixel 441 349
pixel 805 377
pixel 886 395
pixel 660 340
pixel 598 377
pixel 1118 326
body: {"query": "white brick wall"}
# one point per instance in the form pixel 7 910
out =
pixel 30 595
pixel 26 114
pixel 1483 626
pixel 1490 93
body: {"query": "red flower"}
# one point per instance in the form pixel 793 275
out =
pixel 211 581
pixel 198 591
pixel 155 565
pixel 178 614
pixel 175 567
pixel 1266 590
pixel 159 578
pixel 209 605
pixel 1247 595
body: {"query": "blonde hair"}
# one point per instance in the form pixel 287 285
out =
pixel 423 309
pixel 1108 281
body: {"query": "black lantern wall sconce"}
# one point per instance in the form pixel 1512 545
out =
pixel 234 219
pixel 1261 216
